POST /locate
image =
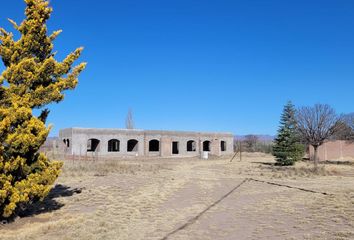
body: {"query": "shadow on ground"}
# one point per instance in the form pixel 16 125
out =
pixel 348 163
pixel 49 204
pixel 265 163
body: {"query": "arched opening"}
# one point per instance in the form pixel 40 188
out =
pixel 223 146
pixel 154 146
pixel 206 146
pixel 92 145
pixel 113 145
pixel 191 146
pixel 132 145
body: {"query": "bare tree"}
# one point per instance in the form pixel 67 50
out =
pixel 349 120
pixel 344 132
pixel 346 127
pixel 250 142
pixel 316 124
pixel 129 121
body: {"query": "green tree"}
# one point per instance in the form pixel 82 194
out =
pixel 287 148
pixel 31 80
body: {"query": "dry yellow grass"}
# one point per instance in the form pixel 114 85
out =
pixel 149 199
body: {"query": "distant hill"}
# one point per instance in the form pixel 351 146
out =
pixel 261 138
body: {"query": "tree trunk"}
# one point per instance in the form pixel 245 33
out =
pixel 315 160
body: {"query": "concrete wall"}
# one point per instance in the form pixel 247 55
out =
pixel 335 150
pixel 79 138
pixel 65 134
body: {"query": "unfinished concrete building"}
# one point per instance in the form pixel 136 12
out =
pixel 143 143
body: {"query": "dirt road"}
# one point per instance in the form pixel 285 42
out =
pixel 193 199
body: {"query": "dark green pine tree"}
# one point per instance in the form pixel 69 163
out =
pixel 287 146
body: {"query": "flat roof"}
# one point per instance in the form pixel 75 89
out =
pixel 141 131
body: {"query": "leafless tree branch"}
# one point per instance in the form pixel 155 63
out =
pixel 129 121
pixel 317 124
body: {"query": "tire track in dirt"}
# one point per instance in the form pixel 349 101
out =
pixel 194 219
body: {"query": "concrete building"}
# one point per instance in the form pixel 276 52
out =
pixel 146 143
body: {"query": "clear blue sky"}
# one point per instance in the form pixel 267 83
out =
pixel 201 65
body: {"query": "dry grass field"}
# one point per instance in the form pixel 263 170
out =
pixel 193 199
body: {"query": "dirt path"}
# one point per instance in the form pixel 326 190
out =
pixel 194 199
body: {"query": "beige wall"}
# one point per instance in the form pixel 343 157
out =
pixel 79 138
pixel 335 150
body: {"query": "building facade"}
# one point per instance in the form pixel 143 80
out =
pixel 146 143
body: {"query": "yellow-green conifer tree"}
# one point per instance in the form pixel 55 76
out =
pixel 31 80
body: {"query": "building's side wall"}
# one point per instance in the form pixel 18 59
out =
pixel 66 134
pixel 166 146
pixel 182 146
pixel 147 139
pixel 81 139
pixel 215 145
pixel 79 142
pixel 229 145
pixel 334 150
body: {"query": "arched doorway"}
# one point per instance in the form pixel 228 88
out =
pixel 132 145
pixel 191 146
pixel 113 145
pixel 154 145
pixel 93 145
